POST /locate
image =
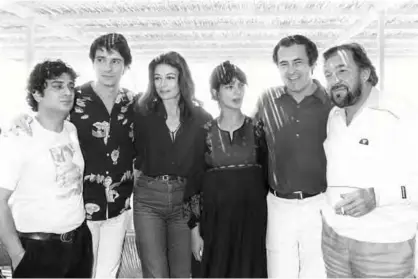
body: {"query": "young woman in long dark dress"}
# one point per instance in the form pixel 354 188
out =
pixel 226 194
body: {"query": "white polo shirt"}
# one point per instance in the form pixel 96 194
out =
pixel 45 173
pixel 376 150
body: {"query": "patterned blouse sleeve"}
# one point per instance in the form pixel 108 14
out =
pixel 262 149
pixel 192 206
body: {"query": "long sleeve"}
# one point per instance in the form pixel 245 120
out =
pixel 262 149
pixel 192 206
pixel 139 141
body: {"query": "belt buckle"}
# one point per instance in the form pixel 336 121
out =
pixel 66 237
pixel 165 177
pixel 300 194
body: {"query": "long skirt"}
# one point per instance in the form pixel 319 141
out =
pixel 233 223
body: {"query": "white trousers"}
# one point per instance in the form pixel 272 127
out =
pixel 416 255
pixel 108 237
pixel 294 232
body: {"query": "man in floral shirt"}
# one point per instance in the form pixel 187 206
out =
pixel 103 115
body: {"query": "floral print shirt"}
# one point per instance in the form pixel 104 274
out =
pixel 107 145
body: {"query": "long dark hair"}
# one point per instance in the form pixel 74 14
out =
pixel 148 102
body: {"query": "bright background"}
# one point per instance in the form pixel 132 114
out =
pixel 400 75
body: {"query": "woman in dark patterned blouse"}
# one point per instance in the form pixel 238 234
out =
pixel 226 195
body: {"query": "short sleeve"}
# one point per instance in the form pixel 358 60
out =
pixel 11 159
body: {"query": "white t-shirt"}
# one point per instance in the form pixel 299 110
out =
pixel 373 151
pixel 45 173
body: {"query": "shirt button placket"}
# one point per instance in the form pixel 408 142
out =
pixel 297 122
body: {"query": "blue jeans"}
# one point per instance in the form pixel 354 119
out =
pixel 162 234
pixel 348 258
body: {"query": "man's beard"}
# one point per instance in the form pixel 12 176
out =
pixel 350 98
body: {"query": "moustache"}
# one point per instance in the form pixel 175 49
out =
pixel 339 86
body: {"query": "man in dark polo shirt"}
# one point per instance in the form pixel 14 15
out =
pixel 295 117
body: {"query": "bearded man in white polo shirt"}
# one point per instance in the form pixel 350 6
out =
pixel 42 216
pixel 369 224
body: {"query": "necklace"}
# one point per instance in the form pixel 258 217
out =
pixel 173 133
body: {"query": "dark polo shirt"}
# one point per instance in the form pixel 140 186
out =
pixel 295 134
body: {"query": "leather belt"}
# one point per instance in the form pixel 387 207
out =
pixel 169 177
pixel 65 237
pixel 298 195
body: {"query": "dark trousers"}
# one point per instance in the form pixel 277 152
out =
pixel 162 234
pixel 196 268
pixel 54 258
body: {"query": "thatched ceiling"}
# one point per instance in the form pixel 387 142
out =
pixel 207 29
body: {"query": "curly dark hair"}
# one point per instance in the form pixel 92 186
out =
pixel 112 41
pixel 148 101
pixel 359 56
pixel 311 48
pixel 224 73
pixel 48 69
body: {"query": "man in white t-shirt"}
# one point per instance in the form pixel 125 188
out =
pixel 369 225
pixel 42 216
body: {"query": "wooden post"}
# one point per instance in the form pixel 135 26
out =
pixel 381 48
pixel 30 47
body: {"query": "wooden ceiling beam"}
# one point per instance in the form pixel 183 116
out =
pixel 235 42
pixel 361 24
pixel 41 20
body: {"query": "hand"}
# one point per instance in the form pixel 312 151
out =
pixel 356 203
pixel 17 259
pixel 197 244
pixel 22 123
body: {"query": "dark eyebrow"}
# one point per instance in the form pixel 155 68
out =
pixel 56 82
pixel 341 66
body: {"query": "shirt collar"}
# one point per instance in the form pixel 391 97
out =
pixel 319 93
pixel 123 97
pixel 379 100
pixel 158 108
